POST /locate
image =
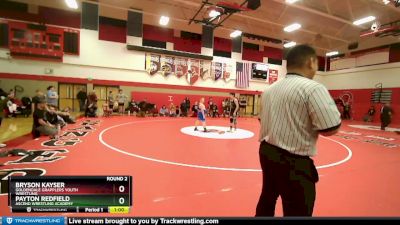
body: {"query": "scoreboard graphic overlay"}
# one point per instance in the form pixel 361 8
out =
pixel 88 194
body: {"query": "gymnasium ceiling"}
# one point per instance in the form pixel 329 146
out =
pixel 327 24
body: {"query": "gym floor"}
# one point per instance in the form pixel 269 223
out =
pixel 179 172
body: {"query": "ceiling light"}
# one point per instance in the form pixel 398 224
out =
pixel 291 1
pixel 332 53
pixel 290 44
pixel 235 33
pixel 292 27
pixel 72 4
pixel 214 13
pixel 386 2
pixel 164 20
pixel 364 20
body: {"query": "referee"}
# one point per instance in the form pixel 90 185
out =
pixel 294 111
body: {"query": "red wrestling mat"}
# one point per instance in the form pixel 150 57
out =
pixel 176 174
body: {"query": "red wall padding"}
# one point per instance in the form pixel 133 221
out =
pixel 222 44
pixel 157 33
pixel 161 99
pixel 60 17
pixel 362 102
pixel 187 45
pixel 16 15
pixel 252 55
pixel 274 53
pixel 394 54
pixel 321 62
pixel 112 33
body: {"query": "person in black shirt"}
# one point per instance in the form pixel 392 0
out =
pixel 386 116
pixel 81 96
pixel 40 124
pixel 38 97
pixel 195 109
pixel 184 108
pixel 214 110
pixel 187 105
pixel 53 118
pixel 233 111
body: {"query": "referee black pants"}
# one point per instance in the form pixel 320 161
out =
pixel 290 176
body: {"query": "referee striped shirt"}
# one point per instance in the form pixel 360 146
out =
pixel 293 111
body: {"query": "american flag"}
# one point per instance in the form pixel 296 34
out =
pixel 243 71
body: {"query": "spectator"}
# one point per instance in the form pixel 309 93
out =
pixel 195 109
pixel 184 108
pixel 209 109
pixel 210 101
pixel 52 117
pixel 66 115
pixel 187 105
pixel 52 96
pixel 12 107
pixel 26 106
pixel 214 111
pixel 142 105
pixel 225 107
pixel 40 124
pixel 39 96
pixel 164 111
pixel 110 99
pixel 11 94
pixel 121 98
pixel 346 111
pixel 3 105
pixel 82 96
pixel 386 116
pixel 370 114
pixel 154 111
pixel 172 110
pixel 133 106
pixel 91 102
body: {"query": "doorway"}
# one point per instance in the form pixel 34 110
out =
pixel 67 95
pixel 102 93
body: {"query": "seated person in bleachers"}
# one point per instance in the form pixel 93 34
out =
pixel 52 117
pixel 214 111
pixel 154 111
pixel 65 114
pixel 369 117
pixel 39 95
pixel 172 110
pixel 40 124
pixel 107 111
pixel 209 110
pixel 164 111
pixel 133 107
pixel 142 104
pixel 91 102
pixel 26 107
